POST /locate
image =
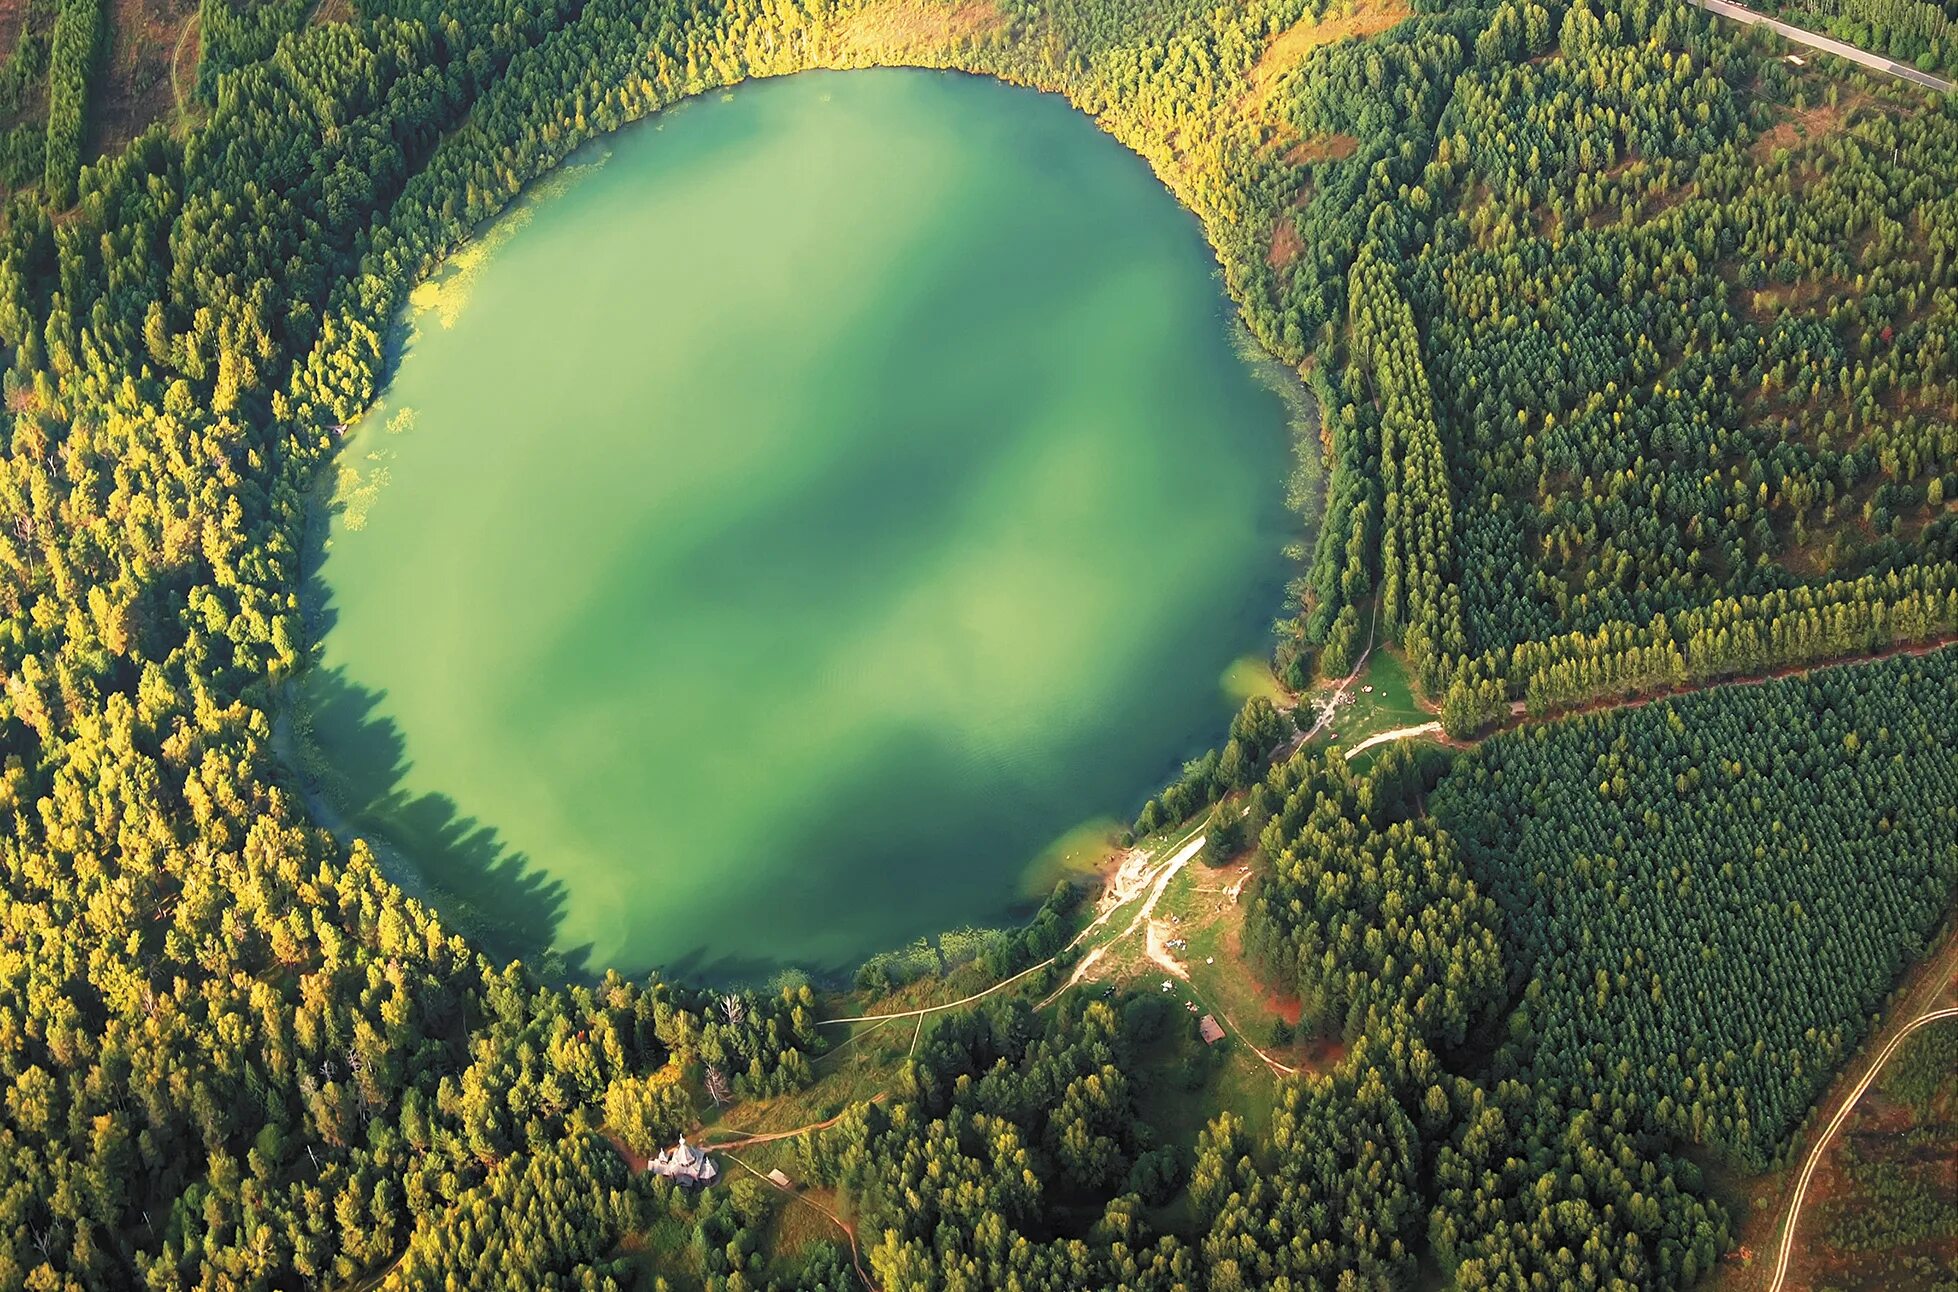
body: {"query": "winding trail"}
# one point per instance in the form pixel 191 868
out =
pixel 1835 1124
pixel 176 63
pixel 856 1255
pixel 770 1137
pixel 1159 879
pixel 1299 741
pixel 1158 884
pixel 935 1009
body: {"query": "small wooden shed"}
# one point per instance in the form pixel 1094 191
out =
pixel 1210 1030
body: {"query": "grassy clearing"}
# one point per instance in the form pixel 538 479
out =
pixel 1205 911
pixel 1190 950
pixel 1381 699
pixel 1184 1082
pixel 857 1069
pixel 864 1057
pixel 797 1228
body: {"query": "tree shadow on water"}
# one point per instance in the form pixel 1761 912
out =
pixel 350 760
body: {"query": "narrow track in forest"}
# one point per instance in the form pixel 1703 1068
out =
pixel 1787 1249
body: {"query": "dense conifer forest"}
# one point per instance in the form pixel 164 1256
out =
pixel 1634 351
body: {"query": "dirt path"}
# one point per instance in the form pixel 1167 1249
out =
pixel 770 1137
pixel 1849 1103
pixel 937 1009
pixel 176 64
pixel 1398 733
pixel 1332 700
pixel 375 1280
pixel 1521 716
pixel 1188 850
pixel 849 1230
pixel 1168 871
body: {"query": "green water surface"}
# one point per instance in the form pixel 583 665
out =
pixel 804 511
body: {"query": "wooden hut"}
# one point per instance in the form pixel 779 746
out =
pixel 1210 1030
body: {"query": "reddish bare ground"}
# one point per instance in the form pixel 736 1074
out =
pixel 13 16
pixel 132 87
pixel 634 1160
pixel 1285 243
pixel 913 29
pixel 1367 18
pixel 1285 1005
pixel 1319 148
pixel 1321 1054
pixel 1802 127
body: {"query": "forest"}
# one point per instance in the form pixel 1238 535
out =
pixel 1634 351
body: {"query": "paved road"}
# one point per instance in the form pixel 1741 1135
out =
pixel 1875 62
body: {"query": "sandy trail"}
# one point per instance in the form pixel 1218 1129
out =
pixel 1158 882
pixel 1398 733
pixel 1330 702
pixel 1156 947
pixel 1130 864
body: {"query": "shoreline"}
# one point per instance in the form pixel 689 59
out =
pixel 298 752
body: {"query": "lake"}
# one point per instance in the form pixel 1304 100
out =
pixel 801 512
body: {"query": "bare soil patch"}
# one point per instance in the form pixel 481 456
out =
pixel 910 30
pixel 1768 303
pixel 635 1161
pixel 1285 243
pixel 1750 1266
pixel 13 19
pixel 1321 148
pixel 1285 1005
pixel 1802 127
pixel 132 86
pixel 1366 18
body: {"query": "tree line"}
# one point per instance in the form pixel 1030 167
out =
pixel 237 1053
